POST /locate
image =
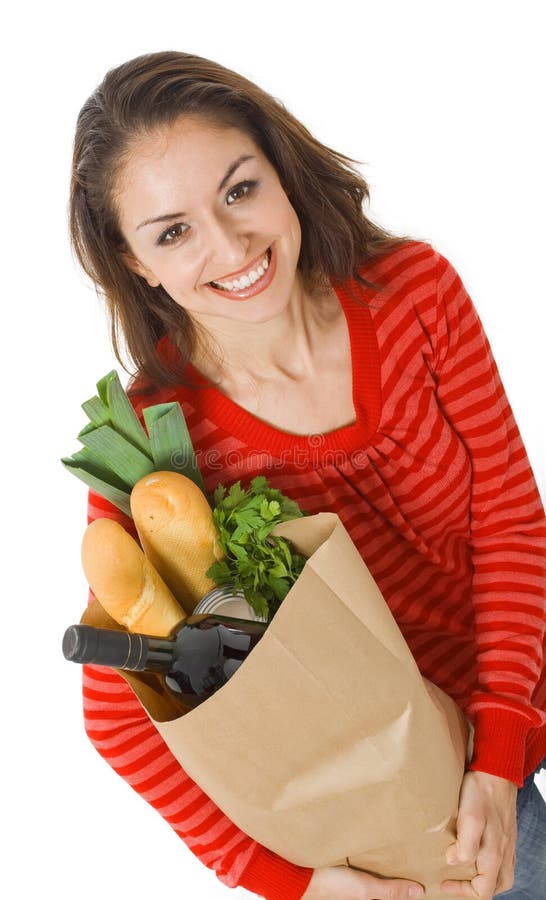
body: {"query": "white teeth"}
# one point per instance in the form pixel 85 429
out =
pixel 245 280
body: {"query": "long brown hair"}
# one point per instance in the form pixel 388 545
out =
pixel 154 90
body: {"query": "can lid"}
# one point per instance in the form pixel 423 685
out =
pixel 226 601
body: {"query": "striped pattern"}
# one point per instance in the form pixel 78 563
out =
pixel 434 487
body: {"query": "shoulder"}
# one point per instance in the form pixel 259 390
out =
pixel 414 279
pixel 410 263
pixel 416 300
pixel 143 394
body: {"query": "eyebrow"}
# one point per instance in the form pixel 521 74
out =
pixel 176 215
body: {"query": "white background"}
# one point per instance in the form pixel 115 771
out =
pixel 443 104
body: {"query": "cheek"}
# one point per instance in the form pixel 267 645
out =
pixel 178 274
pixel 281 215
pixel 295 230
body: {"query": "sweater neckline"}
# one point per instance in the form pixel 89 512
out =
pixel 366 393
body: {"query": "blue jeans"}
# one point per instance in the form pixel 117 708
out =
pixel 530 874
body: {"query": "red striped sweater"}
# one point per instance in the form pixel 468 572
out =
pixel 434 486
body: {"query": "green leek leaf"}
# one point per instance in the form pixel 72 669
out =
pixel 95 465
pixel 102 386
pixel 122 415
pixel 96 412
pixel 88 428
pixel 119 498
pixel 124 459
pixel 170 441
pixel 116 450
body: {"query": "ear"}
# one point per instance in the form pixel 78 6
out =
pixel 135 266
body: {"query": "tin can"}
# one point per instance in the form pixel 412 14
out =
pixel 225 601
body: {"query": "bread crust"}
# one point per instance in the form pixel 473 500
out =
pixel 125 581
pixel 177 532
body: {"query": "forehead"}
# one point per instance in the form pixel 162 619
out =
pixel 188 149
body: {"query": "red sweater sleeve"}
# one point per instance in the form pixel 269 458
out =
pixel 121 731
pixel 508 535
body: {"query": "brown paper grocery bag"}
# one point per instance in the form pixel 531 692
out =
pixel 327 746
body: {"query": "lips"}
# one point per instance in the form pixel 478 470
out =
pixel 253 289
pixel 251 268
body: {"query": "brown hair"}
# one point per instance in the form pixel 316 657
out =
pixel 153 90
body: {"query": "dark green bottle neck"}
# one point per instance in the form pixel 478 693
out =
pixel 136 652
pixel 118 649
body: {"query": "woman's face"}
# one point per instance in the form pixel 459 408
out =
pixel 205 215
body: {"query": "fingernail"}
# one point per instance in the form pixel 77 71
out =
pixel 416 891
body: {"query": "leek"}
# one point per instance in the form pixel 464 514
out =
pixel 118 451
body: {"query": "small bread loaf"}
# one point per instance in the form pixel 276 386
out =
pixel 177 532
pixel 125 582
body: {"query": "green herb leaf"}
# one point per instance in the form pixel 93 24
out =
pixel 220 572
pixel 263 566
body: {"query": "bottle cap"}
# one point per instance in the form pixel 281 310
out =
pixel 102 646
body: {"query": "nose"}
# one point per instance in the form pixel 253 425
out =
pixel 227 248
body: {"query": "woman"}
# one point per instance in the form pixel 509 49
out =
pixel 349 366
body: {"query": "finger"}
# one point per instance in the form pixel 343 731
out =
pixel 505 880
pixel 459 889
pixel 485 883
pixel 392 889
pixel 495 864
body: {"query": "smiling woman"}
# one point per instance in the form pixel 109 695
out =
pixel 306 343
pixel 179 128
pixel 249 226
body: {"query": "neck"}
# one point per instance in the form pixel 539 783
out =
pixel 285 346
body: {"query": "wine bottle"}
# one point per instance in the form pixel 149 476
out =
pixel 195 661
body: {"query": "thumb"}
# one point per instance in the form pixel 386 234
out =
pixel 471 820
pixel 469 836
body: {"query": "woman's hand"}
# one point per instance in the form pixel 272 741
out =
pixel 486 835
pixel 342 883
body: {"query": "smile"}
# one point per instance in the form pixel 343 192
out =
pixel 252 281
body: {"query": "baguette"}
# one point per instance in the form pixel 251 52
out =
pixel 177 533
pixel 125 582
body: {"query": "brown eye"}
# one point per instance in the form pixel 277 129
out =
pixel 172 233
pixel 241 190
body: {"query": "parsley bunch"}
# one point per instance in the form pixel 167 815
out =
pixel 260 564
